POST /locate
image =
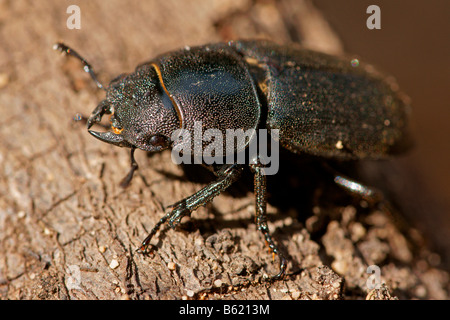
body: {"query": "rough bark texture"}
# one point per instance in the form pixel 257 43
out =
pixel 68 231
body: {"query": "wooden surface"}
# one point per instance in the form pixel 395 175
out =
pixel 68 231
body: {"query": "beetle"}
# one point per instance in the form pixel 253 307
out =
pixel 321 105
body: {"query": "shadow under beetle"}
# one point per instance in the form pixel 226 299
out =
pixel 321 105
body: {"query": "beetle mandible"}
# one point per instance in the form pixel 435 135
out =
pixel 320 105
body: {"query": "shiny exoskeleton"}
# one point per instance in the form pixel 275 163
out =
pixel 321 105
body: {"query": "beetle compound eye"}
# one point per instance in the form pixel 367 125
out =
pixel 158 141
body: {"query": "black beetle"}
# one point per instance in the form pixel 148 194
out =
pixel 321 105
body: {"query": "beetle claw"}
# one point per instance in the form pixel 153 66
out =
pixel 96 116
pixel 111 137
pixel 93 119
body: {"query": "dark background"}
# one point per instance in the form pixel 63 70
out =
pixel 412 45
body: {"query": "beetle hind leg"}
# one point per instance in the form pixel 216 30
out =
pixel 367 193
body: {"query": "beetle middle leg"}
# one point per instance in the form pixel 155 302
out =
pixel 227 174
pixel 260 186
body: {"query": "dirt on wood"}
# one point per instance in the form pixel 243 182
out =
pixel 69 231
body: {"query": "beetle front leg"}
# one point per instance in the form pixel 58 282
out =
pixel 260 185
pixel 226 176
pixel 134 166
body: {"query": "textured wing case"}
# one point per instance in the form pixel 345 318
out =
pixel 324 106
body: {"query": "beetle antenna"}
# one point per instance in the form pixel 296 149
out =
pixel 86 66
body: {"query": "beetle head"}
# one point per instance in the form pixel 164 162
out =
pixel 142 114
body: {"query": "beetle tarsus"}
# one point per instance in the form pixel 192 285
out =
pixel 283 265
pixel 144 245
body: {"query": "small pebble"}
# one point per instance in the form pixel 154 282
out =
pixel 4 80
pixel 190 293
pixel 114 264
pixel 171 266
